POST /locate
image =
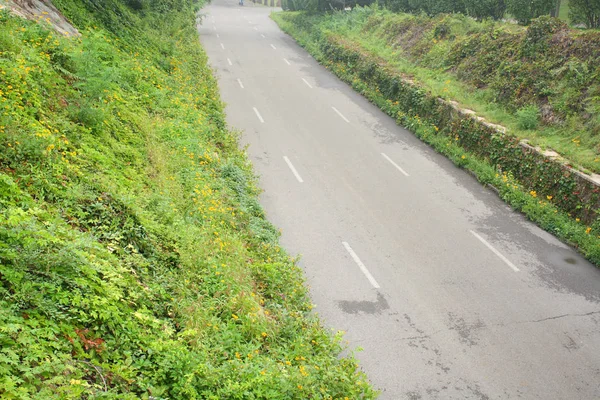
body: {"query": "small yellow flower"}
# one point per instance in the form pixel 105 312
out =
pixel 588 230
pixel 533 193
pixel 549 197
pixel 463 157
pixel 234 316
pixel 577 219
pixel 264 334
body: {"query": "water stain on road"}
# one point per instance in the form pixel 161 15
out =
pixel 365 307
pixel 467 332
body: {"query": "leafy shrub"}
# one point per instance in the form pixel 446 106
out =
pixel 526 10
pixel 528 117
pixel 301 5
pixel 398 5
pixel 481 9
pixel 433 7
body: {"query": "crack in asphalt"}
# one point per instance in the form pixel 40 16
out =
pixel 563 316
pixel 479 326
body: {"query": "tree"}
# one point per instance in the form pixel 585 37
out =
pixel 585 12
pixel 398 5
pixel 433 7
pixel 556 11
pixel 526 10
pixel 481 9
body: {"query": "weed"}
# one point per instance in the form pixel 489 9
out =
pixel 528 117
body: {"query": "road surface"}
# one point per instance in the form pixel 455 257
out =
pixel 450 293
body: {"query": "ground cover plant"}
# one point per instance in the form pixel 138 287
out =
pixel 135 260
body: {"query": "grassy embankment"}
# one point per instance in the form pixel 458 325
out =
pixel 473 63
pixel 135 260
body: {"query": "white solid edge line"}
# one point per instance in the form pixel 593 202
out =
pixel 394 164
pixel 260 118
pixel 274 48
pixel 340 114
pixel 288 63
pixel 307 84
pixel 229 61
pixel 496 252
pixel 222 46
pixel 296 174
pixel 361 265
pixel 240 82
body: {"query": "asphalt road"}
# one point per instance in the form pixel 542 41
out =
pixel 450 293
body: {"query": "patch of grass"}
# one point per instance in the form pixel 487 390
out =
pixel 135 260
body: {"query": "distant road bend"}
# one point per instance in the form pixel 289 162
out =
pixel 450 293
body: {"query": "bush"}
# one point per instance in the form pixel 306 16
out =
pixel 433 7
pixel 481 9
pixel 398 5
pixel 526 10
pixel 528 117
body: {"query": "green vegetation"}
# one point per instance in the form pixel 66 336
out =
pixel 581 12
pixel 135 260
pixel 585 12
pixel 529 117
pixel 563 12
pixel 553 197
pixel 526 10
